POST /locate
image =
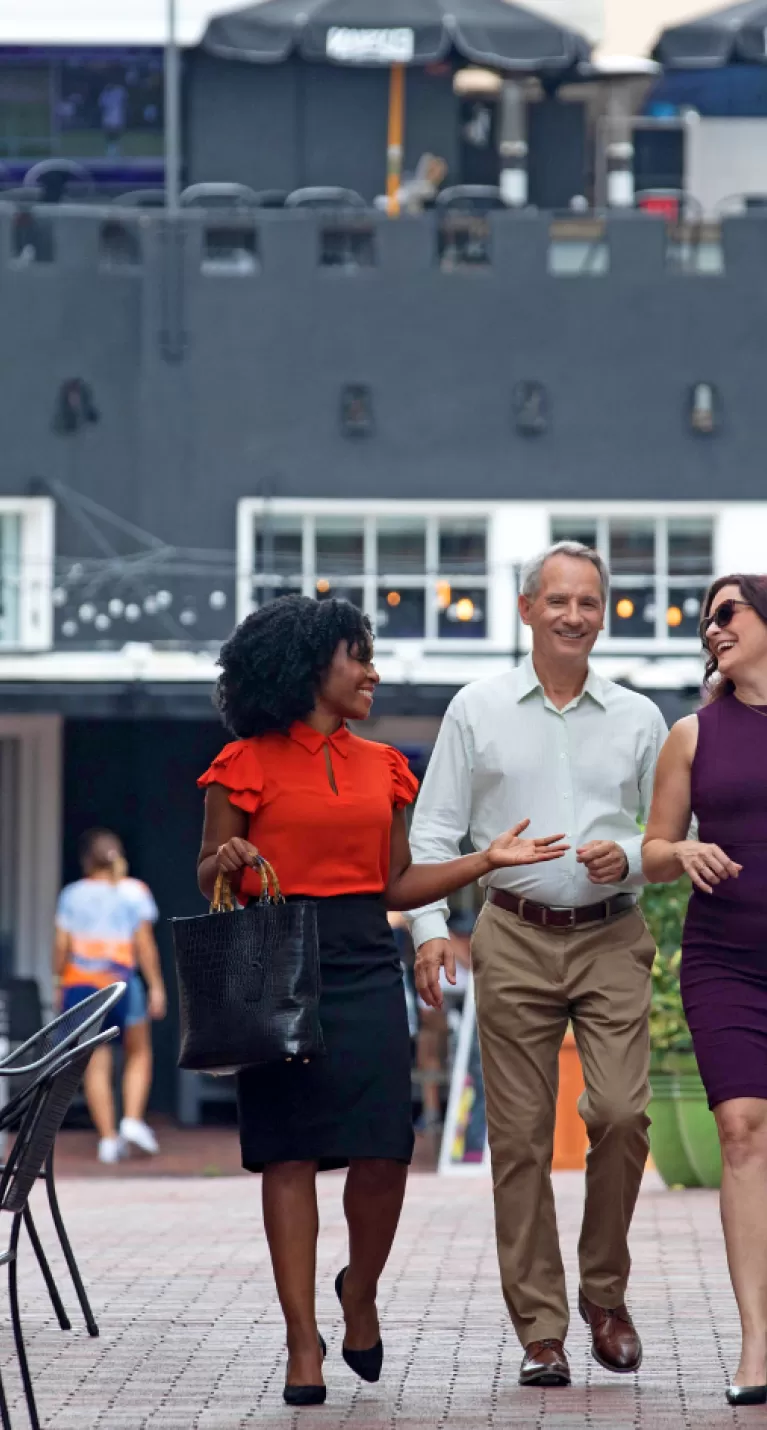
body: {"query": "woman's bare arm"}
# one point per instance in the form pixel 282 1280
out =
pixel 667 853
pixel 412 885
pixel 224 843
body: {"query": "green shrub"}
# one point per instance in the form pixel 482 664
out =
pixel 664 907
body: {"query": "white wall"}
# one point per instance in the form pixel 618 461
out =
pixel 725 157
pixel 632 26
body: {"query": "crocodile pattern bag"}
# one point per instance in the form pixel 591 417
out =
pixel 248 981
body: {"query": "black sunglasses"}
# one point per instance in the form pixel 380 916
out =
pixel 721 617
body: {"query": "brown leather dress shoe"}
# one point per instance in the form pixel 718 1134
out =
pixel 544 1363
pixel 614 1341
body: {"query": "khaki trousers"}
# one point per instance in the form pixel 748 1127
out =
pixel 529 982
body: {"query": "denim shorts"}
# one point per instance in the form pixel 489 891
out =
pixel 129 1010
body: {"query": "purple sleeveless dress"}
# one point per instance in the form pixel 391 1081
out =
pixel 724 948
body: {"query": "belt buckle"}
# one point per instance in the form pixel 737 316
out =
pixel 572 922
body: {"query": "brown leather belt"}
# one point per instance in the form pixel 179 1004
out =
pixel 545 917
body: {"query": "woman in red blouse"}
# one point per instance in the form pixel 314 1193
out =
pixel 326 808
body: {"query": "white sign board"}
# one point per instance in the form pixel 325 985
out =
pixel 370 47
pixel 464 1148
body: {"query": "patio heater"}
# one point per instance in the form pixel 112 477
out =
pixel 172 109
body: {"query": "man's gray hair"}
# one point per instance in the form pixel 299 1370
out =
pixel 532 570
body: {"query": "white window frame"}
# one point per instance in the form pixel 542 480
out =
pixel 498 582
pixel 35 591
pixel 602 513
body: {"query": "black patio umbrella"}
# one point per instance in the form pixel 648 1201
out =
pixel 397 34
pixel 385 32
pixel 735 35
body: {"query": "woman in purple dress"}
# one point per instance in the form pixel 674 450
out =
pixel 714 766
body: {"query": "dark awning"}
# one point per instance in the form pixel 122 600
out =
pixel 387 32
pixel 734 35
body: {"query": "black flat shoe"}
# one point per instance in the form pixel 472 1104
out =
pixel 366 1364
pixel 301 1395
pixel 746 1395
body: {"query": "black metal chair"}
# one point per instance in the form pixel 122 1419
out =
pixel 43 1105
pixel 324 197
pixel 26 1064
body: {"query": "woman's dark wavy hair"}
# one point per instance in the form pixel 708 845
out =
pixel 273 664
pixel 754 590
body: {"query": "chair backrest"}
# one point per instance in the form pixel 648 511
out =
pixel 320 197
pixel 471 198
pixel 48 1104
pixel 25 1011
pixel 229 196
pixel 140 199
pixel 64 1032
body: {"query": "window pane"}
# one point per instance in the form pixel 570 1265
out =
pixel 691 547
pixel 463 547
pixel 462 612
pixel 632 612
pixel 401 547
pixel 279 546
pixel 340 547
pixel 574 528
pixel 10 574
pixel 400 614
pixel 264 591
pixel 341 591
pixel 632 548
pixel 685 606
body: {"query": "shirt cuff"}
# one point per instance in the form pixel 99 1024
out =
pixel 632 848
pixel 426 926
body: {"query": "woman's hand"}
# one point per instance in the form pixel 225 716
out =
pixel 706 864
pixel 234 856
pixel 508 849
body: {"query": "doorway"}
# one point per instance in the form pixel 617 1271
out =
pixel 30 847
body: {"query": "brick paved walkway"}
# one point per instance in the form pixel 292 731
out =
pixel 191 1335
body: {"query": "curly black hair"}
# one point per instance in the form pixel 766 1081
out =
pixel 273 663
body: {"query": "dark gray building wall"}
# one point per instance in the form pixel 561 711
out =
pixel 212 388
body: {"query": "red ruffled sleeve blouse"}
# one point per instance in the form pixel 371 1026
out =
pixel 320 841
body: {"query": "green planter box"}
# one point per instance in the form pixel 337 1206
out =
pixel 698 1129
pixel 666 1145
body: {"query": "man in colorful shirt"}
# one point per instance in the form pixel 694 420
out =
pixel 103 936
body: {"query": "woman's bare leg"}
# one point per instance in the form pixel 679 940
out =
pixel 97 1085
pixel 742 1126
pixel 291 1221
pixel 373 1197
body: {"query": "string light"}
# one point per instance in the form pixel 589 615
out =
pixel 116 607
pixel 217 600
pixel 674 616
pixel 87 613
pixel 102 622
pixel 132 611
pixel 625 609
pixel 393 598
pixel 69 628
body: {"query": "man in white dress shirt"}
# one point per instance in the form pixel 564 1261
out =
pixel 554 742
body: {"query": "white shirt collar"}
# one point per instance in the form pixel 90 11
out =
pixel 527 681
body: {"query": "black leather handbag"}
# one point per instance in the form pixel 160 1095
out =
pixel 248 980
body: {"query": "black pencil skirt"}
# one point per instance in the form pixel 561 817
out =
pixel 355 1100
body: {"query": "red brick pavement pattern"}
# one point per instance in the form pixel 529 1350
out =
pixel 191 1337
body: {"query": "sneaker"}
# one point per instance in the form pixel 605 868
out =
pixel 139 1134
pixel 111 1149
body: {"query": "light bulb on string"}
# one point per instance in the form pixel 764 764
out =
pixel 116 607
pixel 102 622
pixel 87 613
pixel 188 617
pixel 217 600
pixel 150 606
pixel 69 628
pixel 132 611
pixel 164 600
pixel 59 597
